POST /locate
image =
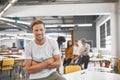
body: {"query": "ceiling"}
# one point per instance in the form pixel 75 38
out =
pixel 51 2
pixel 14 23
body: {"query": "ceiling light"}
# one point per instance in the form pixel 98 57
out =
pixel 51 26
pixel 1 34
pixel 84 25
pixel 67 25
pixel 70 25
pixel 28 34
pixel 22 22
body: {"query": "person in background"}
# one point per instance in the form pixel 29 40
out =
pixel 14 49
pixel 68 53
pixel 42 56
pixel 75 52
pixel 84 50
pixel 76 47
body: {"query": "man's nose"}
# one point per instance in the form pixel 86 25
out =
pixel 39 32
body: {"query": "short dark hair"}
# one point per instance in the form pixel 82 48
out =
pixel 83 40
pixel 37 21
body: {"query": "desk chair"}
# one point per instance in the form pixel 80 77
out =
pixel 7 64
pixel 71 68
pixel 119 66
pixel 20 67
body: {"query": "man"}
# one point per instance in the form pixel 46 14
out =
pixel 84 50
pixel 42 55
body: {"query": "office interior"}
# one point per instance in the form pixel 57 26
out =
pixel 98 21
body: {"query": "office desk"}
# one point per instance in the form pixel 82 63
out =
pixel 92 75
pixel 100 60
pixel 15 57
pixel 4 53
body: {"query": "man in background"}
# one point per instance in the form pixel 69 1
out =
pixel 84 50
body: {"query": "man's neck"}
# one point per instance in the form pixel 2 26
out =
pixel 40 42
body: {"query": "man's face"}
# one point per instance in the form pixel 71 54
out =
pixel 39 31
pixel 83 43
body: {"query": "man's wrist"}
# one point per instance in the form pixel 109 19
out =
pixel 47 62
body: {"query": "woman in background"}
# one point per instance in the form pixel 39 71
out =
pixel 68 53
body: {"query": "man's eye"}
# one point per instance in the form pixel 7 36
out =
pixel 36 30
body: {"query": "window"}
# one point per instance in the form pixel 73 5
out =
pixel 102 36
pixel 105 35
pixel 108 35
pixel 108 28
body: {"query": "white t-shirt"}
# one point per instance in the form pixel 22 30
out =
pixel 40 53
pixel 76 50
pixel 83 47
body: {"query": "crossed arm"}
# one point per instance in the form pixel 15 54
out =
pixel 34 66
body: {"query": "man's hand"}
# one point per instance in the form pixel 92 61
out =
pixel 49 66
pixel 84 50
pixel 55 63
pixel 49 61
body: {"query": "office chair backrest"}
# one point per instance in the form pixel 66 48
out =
pixel 7 62
pixel 119 66
pixel 72 68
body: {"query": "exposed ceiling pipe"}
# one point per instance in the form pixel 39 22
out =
pixel 11 2
pixel 14 21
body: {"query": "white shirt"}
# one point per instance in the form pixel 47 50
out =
pixel 83 47
pixel 40 53
pixel 76 50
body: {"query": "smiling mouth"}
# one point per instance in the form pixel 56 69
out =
pixel 39 37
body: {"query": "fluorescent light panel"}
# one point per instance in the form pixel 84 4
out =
pixel 67 25
pixel 51 25
pixel 71 25
pixel 84 25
